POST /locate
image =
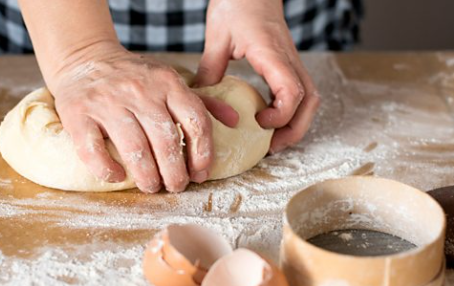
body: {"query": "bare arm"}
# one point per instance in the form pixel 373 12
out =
pixel 61 30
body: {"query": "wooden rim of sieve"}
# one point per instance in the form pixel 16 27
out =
pixel 362 203
pixel 440 278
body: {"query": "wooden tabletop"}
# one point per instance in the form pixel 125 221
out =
pixel 382 114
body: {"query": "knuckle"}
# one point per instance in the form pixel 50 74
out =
pixel 205 123
pixel 296 91
pixel 174 153
pixel 168 149
pixel 133 85
pixel 296 135
pixel 168 142
pixel 78 107
pixel 90 96
pixel 197 101
pixel 134 156
pixel 134 143
pixel 199 123
pixel 168 74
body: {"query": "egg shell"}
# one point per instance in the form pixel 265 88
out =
pixel 179 262
pixel 158 272
pixel 180 255
pixel 246 268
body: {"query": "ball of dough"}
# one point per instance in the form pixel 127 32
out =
pixel 34 143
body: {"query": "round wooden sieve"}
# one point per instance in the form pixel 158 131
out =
pixel 363 203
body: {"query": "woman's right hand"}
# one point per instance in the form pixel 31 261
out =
pixel 106 91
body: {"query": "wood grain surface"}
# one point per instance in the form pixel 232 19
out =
pixel 382 114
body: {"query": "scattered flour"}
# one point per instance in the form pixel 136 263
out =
pixel 450 62
pixel 346 236
pixel 346 136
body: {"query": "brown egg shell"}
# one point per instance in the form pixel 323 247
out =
pixel 246 268
pixel 158 271
pixel 180 255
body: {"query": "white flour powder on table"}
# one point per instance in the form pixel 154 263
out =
pixel 347 137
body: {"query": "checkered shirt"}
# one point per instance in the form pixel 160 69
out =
pixel 179 25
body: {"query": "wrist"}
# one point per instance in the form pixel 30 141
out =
pixel 72 64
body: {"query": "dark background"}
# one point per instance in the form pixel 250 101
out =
pixel 407 25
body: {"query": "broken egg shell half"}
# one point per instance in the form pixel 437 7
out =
pixel 181 255
pixel 246 268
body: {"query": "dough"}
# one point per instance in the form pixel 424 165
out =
pixel 34 143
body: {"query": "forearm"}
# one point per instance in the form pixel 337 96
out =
pixel 63 30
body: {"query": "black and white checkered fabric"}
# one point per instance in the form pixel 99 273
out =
pixel 179 25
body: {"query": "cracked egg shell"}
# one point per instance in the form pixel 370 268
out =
pixel 181 255
pixel 246 268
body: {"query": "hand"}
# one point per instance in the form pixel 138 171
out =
pixel 256 29
pixel 106 91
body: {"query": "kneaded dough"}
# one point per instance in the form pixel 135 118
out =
pixel 34 143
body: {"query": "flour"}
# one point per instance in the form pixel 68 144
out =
pixel 389 137
pixel 109 267
pixel 5 183
pixel 346 236
pixel 401 67
pixel 445 58
pixel 450 62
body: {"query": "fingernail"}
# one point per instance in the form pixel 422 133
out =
pixel 200 177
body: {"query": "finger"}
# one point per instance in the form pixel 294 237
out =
pixel 165 142
pixel 298 126
pixel 221 111
pixel 132 144
pixel 91 149
pixel 188 109
pixel 303 74
pixel 213 63
pixel 295 131
pixel 284 84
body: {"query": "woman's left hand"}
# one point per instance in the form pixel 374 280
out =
pixel 256 30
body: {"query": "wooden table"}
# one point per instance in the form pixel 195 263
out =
pixel 383 114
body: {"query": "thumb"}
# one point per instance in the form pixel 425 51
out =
pixel 213 64
pixel 221 111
